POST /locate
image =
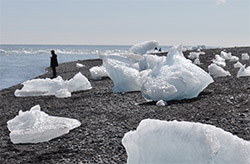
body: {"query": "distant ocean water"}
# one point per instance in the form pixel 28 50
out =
pixel 19 63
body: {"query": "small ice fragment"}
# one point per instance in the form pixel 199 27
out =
pixel 243 71
pixel 245 56
pixel 78 65
pixel 161 103
pixel 238 65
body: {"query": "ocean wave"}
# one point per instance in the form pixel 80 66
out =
pixel 58 51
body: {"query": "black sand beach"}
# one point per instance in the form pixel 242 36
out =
pixel 106 116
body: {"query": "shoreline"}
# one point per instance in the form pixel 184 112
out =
pixel 106 116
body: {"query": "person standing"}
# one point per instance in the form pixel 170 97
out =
pixel 53 63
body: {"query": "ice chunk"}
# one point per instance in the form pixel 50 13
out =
pixel 40 87
pixel 124 76
pixel 243 71
pixel 36 126
pixel 238 65
pixel 156 141
pixel 161 103
pixel 98 72
pixel 219 61
pixel 234 59
pixel 197 61
pixel 142 48
pixel 245 56
pixel 217 71
pixel 78 83
pixel 175 78
pixel 193 55
pixel 225 55
pixel 79 65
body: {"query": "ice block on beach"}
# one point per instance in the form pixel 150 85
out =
pixel 36 126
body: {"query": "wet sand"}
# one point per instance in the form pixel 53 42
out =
pixel 106 116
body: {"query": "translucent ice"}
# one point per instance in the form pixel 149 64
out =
pixel 193 55
pixel 217 71
pixel 38 87
pixel 36 126
pixel 156 141
pixel 124 76
pixel 175 78
pixel 244 71
pixel 142 48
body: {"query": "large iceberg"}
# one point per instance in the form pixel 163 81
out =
pixel 156 141
pixel 175 78
pixel 36 126
pixel 57 86
pixel 158 78
pixel 142 48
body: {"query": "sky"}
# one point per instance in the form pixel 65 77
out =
pixel 125 22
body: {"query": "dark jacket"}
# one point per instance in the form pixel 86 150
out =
pixel 53 61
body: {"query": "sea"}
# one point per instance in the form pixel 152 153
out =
pixel 19 63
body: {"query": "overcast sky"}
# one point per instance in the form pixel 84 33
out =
pixel 125 22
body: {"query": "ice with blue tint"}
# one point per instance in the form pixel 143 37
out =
pixel 243 71
pixel 175 78
pixel 156 141
pixel 57 86
pixel 36 126
pixel 123 74
pixel 142 48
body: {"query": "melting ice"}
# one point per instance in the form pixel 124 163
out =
pixel 35 126
pixel 156 141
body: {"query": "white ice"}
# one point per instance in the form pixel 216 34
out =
pixel 98 72
pixel 243 71
pixel 36 126
pixel 197 61
pixel 175 78
pixel 225 55
pixel 57 86
pixel 238 65
pixel 217 71
pixel 142 48
pixel 194 55
pixel 245 56
pixel 79 65
pixel 174 142
pixel 161 103
pixel 219 61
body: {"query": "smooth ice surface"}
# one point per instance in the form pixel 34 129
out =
pixel 39 87
pixel 123 74
pixel 245 56
pixel 142 48
pixel 243 71
pixel 36 126
pixel 238 65
pixel 156 141
pixel 217 71
pixel 98 72
pixel 175 78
